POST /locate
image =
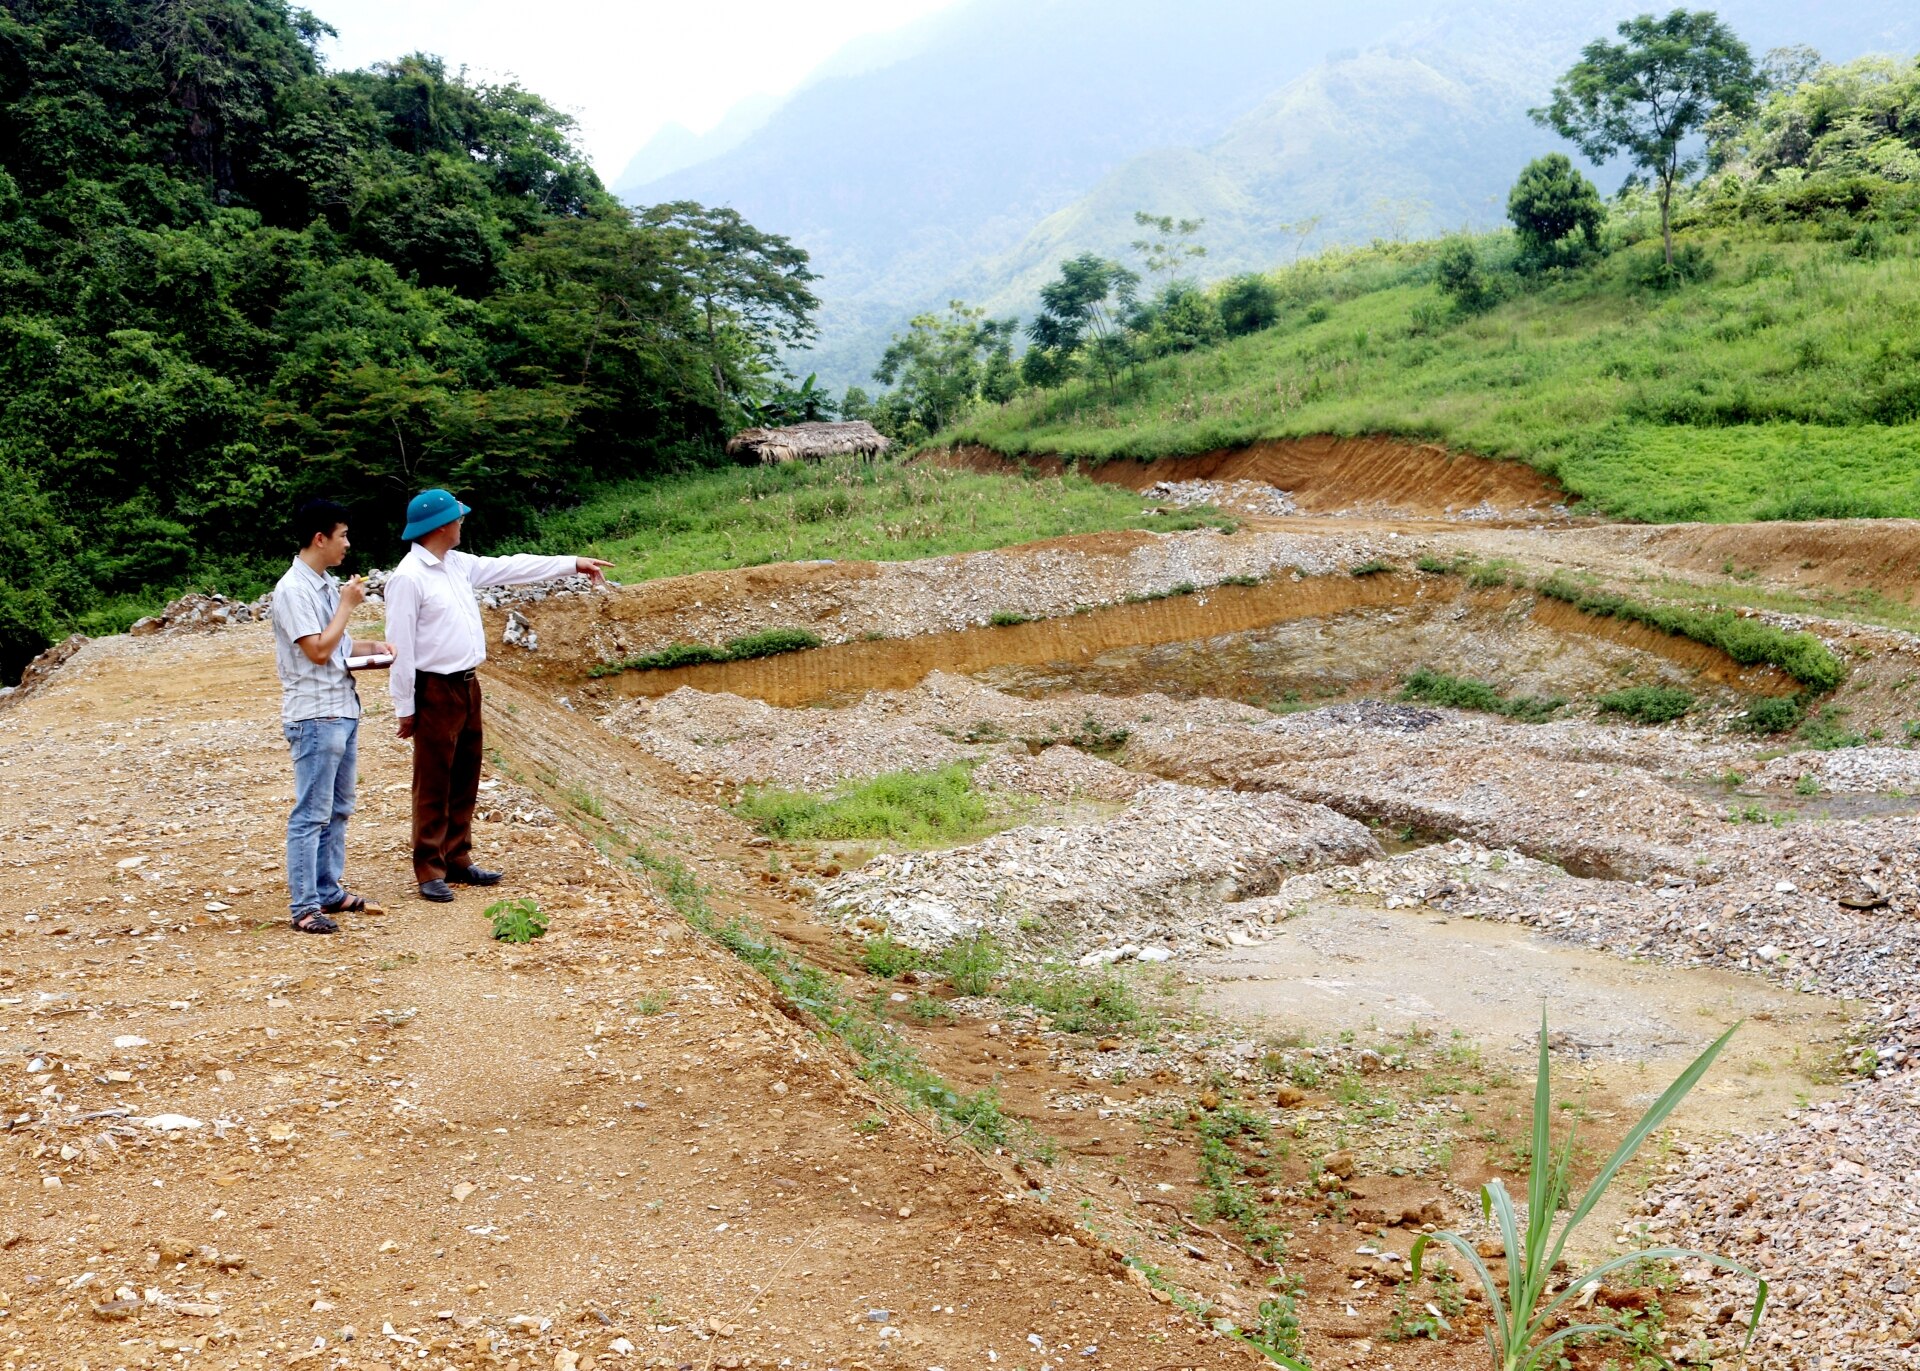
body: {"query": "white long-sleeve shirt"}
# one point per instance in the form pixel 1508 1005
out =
pixel 433 622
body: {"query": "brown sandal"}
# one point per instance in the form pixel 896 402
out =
pixel 313 921
pixel 350 903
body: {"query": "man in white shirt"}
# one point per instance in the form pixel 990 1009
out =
pixel 438 640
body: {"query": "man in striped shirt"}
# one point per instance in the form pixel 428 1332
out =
pixel 319 714
pixel 438 642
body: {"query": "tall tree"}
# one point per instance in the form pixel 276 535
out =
pixel 1082 314
pixel 940 366
pixel 1649 93
pixel 751 289
pixel 1171 244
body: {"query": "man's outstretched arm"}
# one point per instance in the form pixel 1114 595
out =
pixel 525 566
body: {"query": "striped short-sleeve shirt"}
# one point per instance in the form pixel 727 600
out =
pixel 303 604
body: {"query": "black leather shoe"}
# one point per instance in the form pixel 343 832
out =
pixel 473 875
pixel 436 891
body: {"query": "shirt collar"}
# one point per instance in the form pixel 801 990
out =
pixel 420 551
pixel 320 577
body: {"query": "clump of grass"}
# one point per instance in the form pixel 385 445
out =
pixel 1827 733
pixel 1145 597
pixel 1523 1334
pixel 971 963
pixel 1648 704
pixel 1460 692
pixel 1078 1002
pixel 1773 714
pixel 1239 580
pixel 1007 618
pixel 766 643
pixel 1749 642
pixel 770 642
pixel 888 958
pixel 517 921
pixel 1371 567
pixel 910 807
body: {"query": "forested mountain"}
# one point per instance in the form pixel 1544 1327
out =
pixel 229 278
pixel 1015 134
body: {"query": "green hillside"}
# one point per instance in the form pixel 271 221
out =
pixel 1786 385
pixel 1772 372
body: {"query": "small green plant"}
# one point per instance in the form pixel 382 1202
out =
pixel 586 802
pixel 1459 692
pixel 1825 732
pixel 971 963
pixel 888 958
pixel 770 642
pixel 927 1009
pixel 517 921
pixel 653 1002
pixel 1774 714
pixel 1094 736
pixel 1806 785
pixel 1912 729
pixel 1238 581
pixel 1648 704
pixel 1521 1313
pixel 1007 618
pixel 1078 1003
pixel 1373 566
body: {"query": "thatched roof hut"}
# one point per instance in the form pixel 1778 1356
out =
pixel 805 442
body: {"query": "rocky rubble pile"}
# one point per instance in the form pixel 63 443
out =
pixel 1854 769
pixel 1157 872
pixel 750 742
pixel 1828 908
pixel 1058 773
pixel 1236 497
pixel 197 612
pixel 1827 1209
pixel 945 718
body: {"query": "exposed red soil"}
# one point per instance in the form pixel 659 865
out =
pixel 1324 474
pixel 1881 555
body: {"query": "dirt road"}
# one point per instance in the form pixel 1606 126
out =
pixel 230 1145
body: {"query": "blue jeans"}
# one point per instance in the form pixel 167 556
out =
pixel 324 753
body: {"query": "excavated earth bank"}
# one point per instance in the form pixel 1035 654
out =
pixel 1371 477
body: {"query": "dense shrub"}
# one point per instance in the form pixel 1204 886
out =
pixel 1749 642
pixel 1648 704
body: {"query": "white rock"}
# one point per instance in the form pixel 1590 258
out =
pixel 130 1040
pixel 169 1123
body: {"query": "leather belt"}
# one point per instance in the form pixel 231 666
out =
pixel 466 675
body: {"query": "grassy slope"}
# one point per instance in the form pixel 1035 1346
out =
pixel 839 509
pixel 1775 389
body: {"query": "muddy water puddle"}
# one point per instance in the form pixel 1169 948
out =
pixel 1626 1027
pixel 1760 806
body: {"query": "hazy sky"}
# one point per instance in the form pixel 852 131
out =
pixel 622 70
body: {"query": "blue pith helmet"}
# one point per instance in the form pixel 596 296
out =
pixel 431 509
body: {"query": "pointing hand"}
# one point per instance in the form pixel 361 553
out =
pixel 592 566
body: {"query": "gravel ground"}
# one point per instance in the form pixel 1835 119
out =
pixel 1059 773
pixel 944 719
pixel 1829 1207
pixel 1236 497
pixel 1851 769
pixel 1154 874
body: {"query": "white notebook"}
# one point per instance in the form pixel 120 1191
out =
pixel 378 659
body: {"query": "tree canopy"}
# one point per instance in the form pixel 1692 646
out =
pixel 1646 95
pixel 230 278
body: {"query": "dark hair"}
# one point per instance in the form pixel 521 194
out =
pixel 317 516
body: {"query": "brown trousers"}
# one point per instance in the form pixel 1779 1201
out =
pixel 446 773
